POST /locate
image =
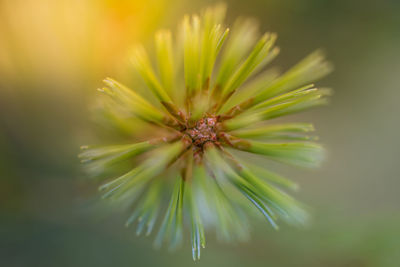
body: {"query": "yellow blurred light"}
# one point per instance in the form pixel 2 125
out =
pixel 70 39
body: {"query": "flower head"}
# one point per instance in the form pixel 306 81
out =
pixel 198 120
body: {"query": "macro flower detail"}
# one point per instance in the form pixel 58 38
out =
pixel 197 137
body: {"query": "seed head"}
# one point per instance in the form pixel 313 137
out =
pixel 192 131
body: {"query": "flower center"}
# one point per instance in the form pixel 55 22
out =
pixel 204 131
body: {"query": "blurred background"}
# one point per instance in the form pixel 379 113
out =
pixel 55 53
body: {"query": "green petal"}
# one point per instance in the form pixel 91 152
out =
pixel 116 152
pixel 131 101
pixel 213 36
pixel 280 106
pixel 147 210
pixel 191 33
pixel 142 63
pixel 248 90
pixel 243 36
pixel 198 240
pixel 171 227
pixel 289 131
pixel 165 60
pixel 259 53
pixel 271 177
pixel 305 154
pixel 244 188
pixel 310 69
pixel 264 196
pixel 98 159
pixel 152 167
pixel 289 209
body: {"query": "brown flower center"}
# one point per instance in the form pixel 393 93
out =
pixel 205 130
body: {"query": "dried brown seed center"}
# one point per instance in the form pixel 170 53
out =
pixel 204 131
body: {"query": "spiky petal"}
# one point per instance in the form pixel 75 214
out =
pixel 212 97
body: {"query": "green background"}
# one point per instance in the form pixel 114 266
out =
pixel 50 215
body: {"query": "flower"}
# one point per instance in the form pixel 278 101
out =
pixel 194 126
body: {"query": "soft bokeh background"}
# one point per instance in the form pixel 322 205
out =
pixel 54 54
